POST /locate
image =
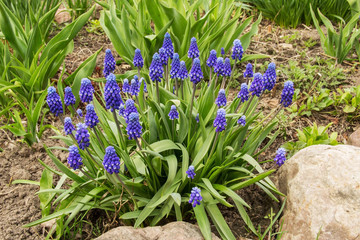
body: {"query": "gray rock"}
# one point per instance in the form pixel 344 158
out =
pixel 354 138
pixel 322 184
pixel 173 231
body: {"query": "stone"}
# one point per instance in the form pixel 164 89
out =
pixel 322 184
pixel 354 138
pixel 62 15
pixel 173 231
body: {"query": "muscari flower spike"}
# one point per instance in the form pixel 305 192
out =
pixel 237 50
pixel 227 67
pixel 122 110
pixel 130 108
pixel 191 172
pixel 242 120
pixel 126 86
pixel 82 136
pixel 195 196
pixel 195 73
pixel 142 80
pixel 69 98
pixel 91 118
pixel 54 101
pixel 193 49
pixel 175 66
pixel 197 118
pixel 244 92
pixel 221 99
pixel 68 126
pixel 256 86
pixel 156 69
pixel 173 114
pixel 211 61
pixel 249 71
pixel 163 56
pixel 109 63
pixel 74 159
pixel 287 93
pixel 112 92
pixel 182 73
pixel 168 45
pixel 222 51
pixel 269 77
pixel 111 160
pixel 135 87
pixel 138 59
pixel 86 91
pixel 79 112
pixel 220 120
pixel 219 67
pixel 133 127
pixel 280 157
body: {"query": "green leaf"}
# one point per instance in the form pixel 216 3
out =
pixel 203 221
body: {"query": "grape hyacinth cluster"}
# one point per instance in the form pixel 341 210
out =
pixel 126 86
pixel 182 73
pixel 219 67
pixel 222 51
pixel 249 71
pixel 269 77
pixel 168 46
pixel 68 126
pixel 112 95
pixel 287 93
pixel 109 63
pixel 111 160
pixel 193 49
pixel 138 60
pixel 163 56
pixel 82 136
pixel 54 101
pixel 122 110
pixel 237 50
pixel 195 73
pixel 130 108
pixel 156 69
pixel 227 67
pixel 243 93
pixel 86 91
pixel 74 159
pixel 280 157
pixel 191 172
pixel 133 127
pixel 91 119
pixel 69 98
pixel 175 66
pixel 211 61
pixel 135 87
pixel 79 112
pixel 256 86
pixel 220 120
pixel 221 99
pixel 242 120
pixel 173 114
pixel 195 196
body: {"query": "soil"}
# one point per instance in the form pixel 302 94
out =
pixel 19 203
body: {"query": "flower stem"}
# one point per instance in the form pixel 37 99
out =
pixel 210 77
pixel 138 73
pixel 214 144
pixel 130 193
pixel 98 138
pixel 173 130
pixel 249 103
pixel 157 91
pixel 190 112
pixel 182 89
pixel 119 130
pixel 167 77
pixel 232 71
pixel 92 158
pixel 176 87
pixel 216 79
pixel 237 107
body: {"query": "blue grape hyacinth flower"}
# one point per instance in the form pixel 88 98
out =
pixel 111 160
pixel 193 49
pixel 129 108
pixel 74 159
pixel 79 112
pixel 138 60
pixel 227 67
pixel 126 86
pixel 237 50
pixel 195 196
pixel 195 73
pixel 82 136
pixel 142 80
pixel 211 61
pixel 191 172
pixel 287 93
pixel 175 66
pixel 163 56
pixel 220 120
pixel 122 110
pixel 168 45
pixel 256 86
pixel 54 101
pixel 173 114
pixel 222 51
pixel 197 118
pixel 269 77
pixel 242 120
pixel 109 63
pixel 69 98
pixel 280 157
pixel 135 87
pixel 249 71
pixel 133 127
pixel 182 73
pixel 243 93
pixel 68 126
pixel 91 118
pixel 221 99
pixel 112 93
pixel 219 67
pixel 86 91
pixel 156 69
